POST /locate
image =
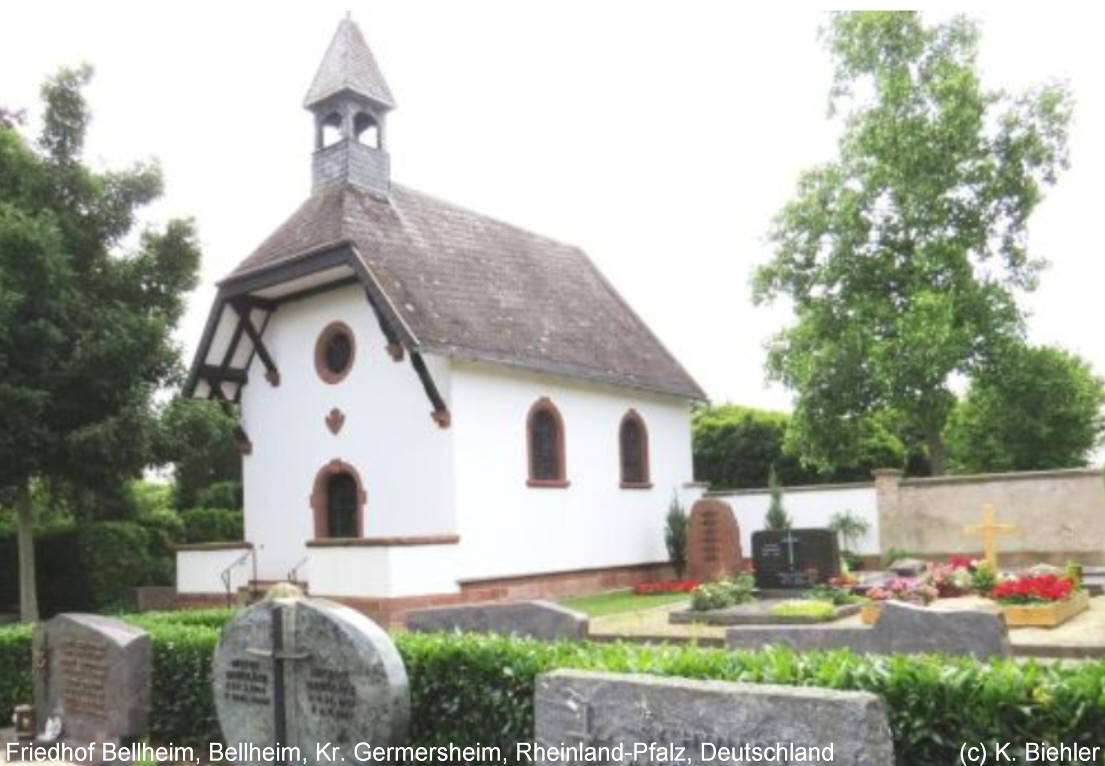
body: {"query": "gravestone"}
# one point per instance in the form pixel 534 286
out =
pixel 713 541
pixel 794 558
pixel 901 628
pixel 93 673
pixel 666 720
pixel 297 672
pixel 533 619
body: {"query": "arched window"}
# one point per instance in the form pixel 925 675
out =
pixel 329 131
pixel 545 442
pixel 633 452
pixel 338 501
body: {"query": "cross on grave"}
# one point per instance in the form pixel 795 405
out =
pixel 988 530
pixel 790 540
pixel 279 657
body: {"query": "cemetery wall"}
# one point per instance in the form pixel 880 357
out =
pixel 508 528
pixel 379 396
pixel 811 506
pixel 1059 514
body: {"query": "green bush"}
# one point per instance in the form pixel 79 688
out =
pixel 15 669
pixel 818 610
pixel 221 494
pixel 837 596
pixel 116 558
pixel 723 593
pixel 468 688
pixel 212 525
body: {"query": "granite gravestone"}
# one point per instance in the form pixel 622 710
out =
pixel 584 717
pixel 93 674
pixel 296 672
pixel 532 619
pixel 794 558
pixel 713 541
pixel 902 628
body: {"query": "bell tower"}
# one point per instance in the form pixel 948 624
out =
pixel 350 101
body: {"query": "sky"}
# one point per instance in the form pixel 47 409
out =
pixel 659 136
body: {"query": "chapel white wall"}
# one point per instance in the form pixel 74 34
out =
pixel 508 528
pixel 403 457
pixel 808 507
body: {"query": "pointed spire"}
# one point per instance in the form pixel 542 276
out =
pixel 349 66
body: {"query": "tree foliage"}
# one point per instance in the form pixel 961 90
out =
pixel 777 517
pixel 902 256
pixel 1038 408
pixel 199 439
pixel 675 536
pixel 84 327
pixel 736 448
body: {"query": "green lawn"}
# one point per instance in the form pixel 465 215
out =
pixel 615 601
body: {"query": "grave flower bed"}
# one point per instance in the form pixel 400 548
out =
pixel 951 579
pixel 1039 600
pixel 907 589
pixel 665 586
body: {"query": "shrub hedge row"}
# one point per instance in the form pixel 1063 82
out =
pixel 480 688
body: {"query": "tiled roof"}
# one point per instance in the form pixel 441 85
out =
pixel 470 286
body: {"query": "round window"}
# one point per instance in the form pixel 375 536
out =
pixel 334 352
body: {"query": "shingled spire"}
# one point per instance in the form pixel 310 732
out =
pixel 350 102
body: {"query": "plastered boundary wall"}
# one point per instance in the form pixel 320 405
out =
pixel 1059 514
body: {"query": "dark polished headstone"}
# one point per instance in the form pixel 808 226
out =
pixel 794 558
pixel 299 672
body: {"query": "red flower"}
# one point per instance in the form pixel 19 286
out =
pixel 960 562
pixel 1030 590
pixel 665 586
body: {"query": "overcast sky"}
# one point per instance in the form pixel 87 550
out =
pixel 660 136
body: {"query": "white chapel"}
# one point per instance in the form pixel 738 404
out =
pixel 435 406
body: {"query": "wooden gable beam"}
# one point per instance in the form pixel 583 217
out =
pixel 216 375
pixel 242 305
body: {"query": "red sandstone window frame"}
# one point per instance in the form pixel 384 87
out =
pixel 632 416
pixel 544 404
pixel 320 499
pixel 321 367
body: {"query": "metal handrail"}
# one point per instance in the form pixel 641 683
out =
pixel 293 573
pixel 225 574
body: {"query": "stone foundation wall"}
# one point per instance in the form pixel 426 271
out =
pixel 1060 515
pixel 549 585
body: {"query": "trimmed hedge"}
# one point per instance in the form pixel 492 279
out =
pixel 468 688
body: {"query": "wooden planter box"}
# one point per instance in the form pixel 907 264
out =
pixel 869 614
pixel 1045 615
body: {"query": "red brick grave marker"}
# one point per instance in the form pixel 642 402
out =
pixel 713 541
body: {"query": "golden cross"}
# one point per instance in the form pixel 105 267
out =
pixel 988 530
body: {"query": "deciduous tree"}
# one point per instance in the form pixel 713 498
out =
pixel 902 256
pixel 84 327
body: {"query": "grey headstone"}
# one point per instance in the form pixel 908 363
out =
pixel 908 567
pixel 607 709
pixel 94 673
pixel 535 619
pixel 337 678
pixel 902 628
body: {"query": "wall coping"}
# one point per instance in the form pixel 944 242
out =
pixel 785 490
pixel 382 542
pixel 220 546
pixel 1057 473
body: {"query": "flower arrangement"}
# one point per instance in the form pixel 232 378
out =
pixel 665 586
pixel 948 579
pixel 1033 589
pixel 906 589
pixel 723 593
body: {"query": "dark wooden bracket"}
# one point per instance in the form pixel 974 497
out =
pixel 242 306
